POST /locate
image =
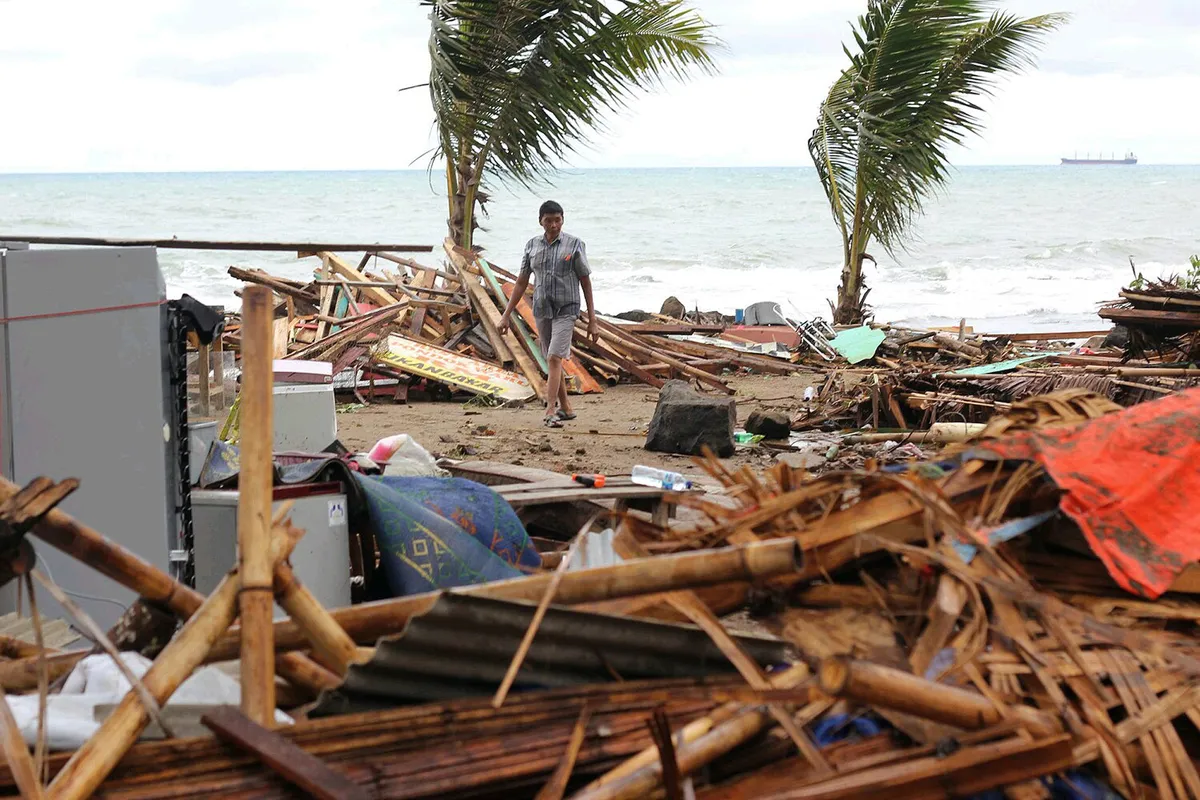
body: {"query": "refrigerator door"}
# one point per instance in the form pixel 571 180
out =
pixel 85 394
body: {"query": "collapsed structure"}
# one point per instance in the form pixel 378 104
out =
pixel 1005 608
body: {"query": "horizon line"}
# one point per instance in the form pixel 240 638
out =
pixel 677 167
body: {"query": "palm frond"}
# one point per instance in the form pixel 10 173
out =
pixel 520 84
pixel 917 74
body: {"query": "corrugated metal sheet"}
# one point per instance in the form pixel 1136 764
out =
pixel 463 647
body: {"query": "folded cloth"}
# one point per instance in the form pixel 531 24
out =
pixel 423 551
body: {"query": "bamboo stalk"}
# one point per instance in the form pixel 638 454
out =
pixel 92 763
pixel 327 636
pixel 873 684
pixel 16 753
pixel 691 757
pixel 366 622
pixel 539 613
pixel 97 635
pixel 255 478
pixel 639 772
pixel 43 677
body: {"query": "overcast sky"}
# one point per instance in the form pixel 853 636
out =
pixel 311 84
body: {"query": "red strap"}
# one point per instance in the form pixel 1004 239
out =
pixel 4 320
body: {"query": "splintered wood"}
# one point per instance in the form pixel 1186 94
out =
pixel 1053 672
pixel 380 325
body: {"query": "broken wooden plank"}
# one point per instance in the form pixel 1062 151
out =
pixel 291 762
pixel 429 361
pixel 373 293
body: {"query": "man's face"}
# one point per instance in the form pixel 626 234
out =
pixel 552 225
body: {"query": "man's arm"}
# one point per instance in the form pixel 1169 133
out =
pixel 585 282
pixel 518 293
pixel 583 271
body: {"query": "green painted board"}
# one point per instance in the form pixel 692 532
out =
pixel 517 323
pixel 858 344
pixel 1000 366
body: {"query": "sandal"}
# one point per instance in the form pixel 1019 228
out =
pixel 564 416
pixel 552 422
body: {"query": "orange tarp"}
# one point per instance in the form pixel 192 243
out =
pixel 1132 484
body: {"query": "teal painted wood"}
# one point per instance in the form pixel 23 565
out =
pixel 518 324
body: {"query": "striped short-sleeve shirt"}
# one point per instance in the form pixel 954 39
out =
pixel 556 268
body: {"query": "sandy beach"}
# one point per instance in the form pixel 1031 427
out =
pixel 607 437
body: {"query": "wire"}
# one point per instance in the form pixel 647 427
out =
pixel 50 575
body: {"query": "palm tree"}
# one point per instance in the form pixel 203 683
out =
pixel 518 84
pixel 913 87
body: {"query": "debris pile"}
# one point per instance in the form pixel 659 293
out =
pixel 1011 614
pixel 1162 318
pixel 382 329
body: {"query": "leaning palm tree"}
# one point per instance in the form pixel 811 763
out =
pixel 519 84
pixel 913 87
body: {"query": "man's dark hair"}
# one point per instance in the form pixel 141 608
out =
pixel 549 207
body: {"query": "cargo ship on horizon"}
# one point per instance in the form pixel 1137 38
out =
pixel 1129 158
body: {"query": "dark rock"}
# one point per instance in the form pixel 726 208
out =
pixel 635 316
pixel 1117 338
pixel 685 420
pixel 769 424
pixel 671 307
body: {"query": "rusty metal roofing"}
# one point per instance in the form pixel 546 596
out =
pixel 463 646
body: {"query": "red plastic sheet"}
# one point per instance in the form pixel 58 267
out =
pixel 1132 483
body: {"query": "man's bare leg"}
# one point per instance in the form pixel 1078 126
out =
pixel 553 384
pixel 563 402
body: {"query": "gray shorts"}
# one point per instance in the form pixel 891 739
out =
pixel 554 336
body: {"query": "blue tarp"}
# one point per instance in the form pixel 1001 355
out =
pixel 437 533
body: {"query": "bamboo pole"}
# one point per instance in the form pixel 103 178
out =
pixel 691 756
pixel 63 532
pixel 366 622
pixel 97 635
pixel 255 480
pixel 92 763
pixel 634 773
pixel 16 753
pixel 328 638
pixel 872 684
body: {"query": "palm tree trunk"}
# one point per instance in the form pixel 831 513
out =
pixel 849 309
pixel 461 197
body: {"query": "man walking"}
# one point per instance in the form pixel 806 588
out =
pixel 558 262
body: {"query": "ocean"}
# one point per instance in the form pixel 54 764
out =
pixel 1008 248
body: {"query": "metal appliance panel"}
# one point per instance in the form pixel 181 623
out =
pixel 85 394
pixel 304 417
pixel 321 560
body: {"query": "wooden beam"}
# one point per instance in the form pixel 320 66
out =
pixel 208 244
pixel 256 600
pixel 373 293
pixel 292 763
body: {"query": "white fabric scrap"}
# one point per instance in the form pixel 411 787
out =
pixel 70 715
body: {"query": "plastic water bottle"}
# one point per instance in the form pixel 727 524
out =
pixel 659 478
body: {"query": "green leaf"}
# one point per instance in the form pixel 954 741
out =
pixel 916 76
pixel 517 85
